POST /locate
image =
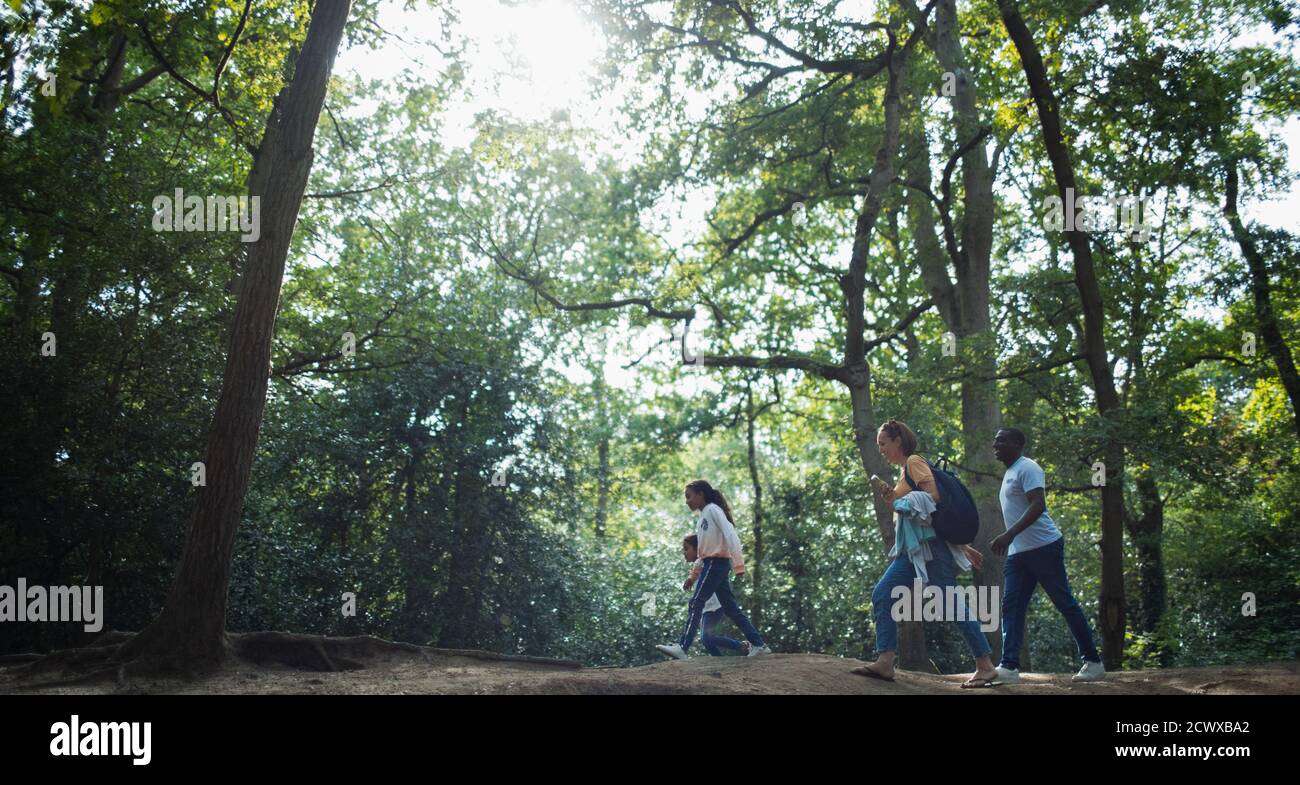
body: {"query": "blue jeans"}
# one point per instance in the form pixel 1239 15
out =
pixel 942 571
pixel 1022 572
pixel 716 579
pixel 709 625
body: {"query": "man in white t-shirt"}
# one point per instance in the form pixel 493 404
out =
pixel 1035 551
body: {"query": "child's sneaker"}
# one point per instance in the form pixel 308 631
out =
pixel 673 650
pixel 744 648
pixel 1007 675
pixel 1091 671
pixel 758 651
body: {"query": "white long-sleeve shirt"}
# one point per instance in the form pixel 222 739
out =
pixel 717 538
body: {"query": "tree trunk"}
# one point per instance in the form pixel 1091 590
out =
pixel 1261 290
pixel 857 372
pixel 964 307
pixel 1146 532
pixel 756 600
pixel 600 396
pixel 191 627
pixel 602 493
pixel 1103 382
pixel 413 542
pixel 459 610
pixel 57 413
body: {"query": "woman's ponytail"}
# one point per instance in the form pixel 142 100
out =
pixel 711 496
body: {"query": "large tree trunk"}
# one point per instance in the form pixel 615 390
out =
pixel 459 606
pixel 912 653
pixel 1261 290
pixel 600 396
pixel 55 521
pixel 191 627
pixel 413 541
pixel 756 601
pixel 1094 344
pixel 857 372
pixel 602 492
pixel 964 307
pixel 1146 531
pixel 57 410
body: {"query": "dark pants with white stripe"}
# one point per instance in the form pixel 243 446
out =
pixel 713 643
pixel 715 578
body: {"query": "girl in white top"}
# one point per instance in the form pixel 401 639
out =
pixel 713 643
pixel 719 552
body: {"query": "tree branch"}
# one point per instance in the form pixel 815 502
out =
pixel 777 362
pixel 206 96
pixel 906 322
pixel 225 56
pixel 1021 372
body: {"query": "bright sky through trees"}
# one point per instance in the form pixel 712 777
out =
pixel 539 61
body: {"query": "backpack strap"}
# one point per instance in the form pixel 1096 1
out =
pixel 934 473
pixel 908 477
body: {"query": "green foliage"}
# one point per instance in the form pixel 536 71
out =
pixel 456 271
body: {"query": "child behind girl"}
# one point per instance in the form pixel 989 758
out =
pixel 719 554
pixel 713 644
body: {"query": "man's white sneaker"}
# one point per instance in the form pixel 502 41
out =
pixel 673 650
pixel 1091 671
pixel 758 651
pixel 1007 675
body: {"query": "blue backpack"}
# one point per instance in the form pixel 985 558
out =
pixel 955 518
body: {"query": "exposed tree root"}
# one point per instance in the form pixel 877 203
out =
pixel 305 652
pixel 112 638
pixel 8 659
pixel 65 660
pixel 85 665
pixel 316 652
pixel 119 656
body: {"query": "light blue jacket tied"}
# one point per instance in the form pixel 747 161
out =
pixel 913 533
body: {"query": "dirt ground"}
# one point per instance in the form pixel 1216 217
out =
pixel 423 670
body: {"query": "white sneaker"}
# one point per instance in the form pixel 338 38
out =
pixel 1007 675
pixel 1091 671
pixel 758 651
pixel 673 650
